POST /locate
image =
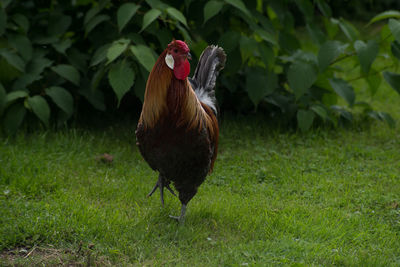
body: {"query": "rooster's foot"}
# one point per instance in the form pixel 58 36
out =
pixel 181 218
pixel 161 183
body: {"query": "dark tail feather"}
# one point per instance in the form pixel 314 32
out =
pixel 211 62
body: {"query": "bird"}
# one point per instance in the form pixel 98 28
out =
pixel 177 132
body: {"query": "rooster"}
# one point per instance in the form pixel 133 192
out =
pixel 177 133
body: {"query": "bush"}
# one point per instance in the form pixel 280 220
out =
pixel 58 56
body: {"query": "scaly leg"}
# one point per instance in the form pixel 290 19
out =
pixel 181 218
pixel 161 183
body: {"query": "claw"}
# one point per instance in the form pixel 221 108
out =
pixel 170 189
pixel 161 184
pixel 181 218
pixel 153 190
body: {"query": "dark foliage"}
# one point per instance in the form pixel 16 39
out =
pixel 64 59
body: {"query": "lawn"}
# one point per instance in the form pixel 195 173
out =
pixel 327 197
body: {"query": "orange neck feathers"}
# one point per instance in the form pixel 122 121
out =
pixel 156 91
pixel 167 96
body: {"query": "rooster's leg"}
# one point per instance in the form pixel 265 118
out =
pixel 161 183
pixel 181 218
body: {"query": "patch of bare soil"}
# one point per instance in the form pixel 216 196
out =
pixel 49 256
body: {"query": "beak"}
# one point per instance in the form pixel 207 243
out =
pixel 189 56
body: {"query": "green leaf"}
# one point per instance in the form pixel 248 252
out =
pixel 58 24
pixel 24 80
pixel 229 41
pixel 125 13
pixel 22 44
pixel 100 55
pixel 320 111
pixel 394 26
pixel 91 13
pixel 343 113
pixel 288 42
pixel 386 35
pixel 161 33
pixel 22 22
pixel 94 22
pixel 330 98
pixel 306 8
pixel 331 27
pixel 149 17
pixel 38 65
pixel 184 33
pixel 259 84
pixel 176 14
pixel 247 47
pixel 266 36
pixel 305 119
pixel 395 48
pixel 144 55
pixel 349 30
pixel 13 118
pixel 62 46
pixel 388 118
pixel 344 89
pixel 3 95
pixel 234 63
pixel 45 39
pixel 363 105
pixel 385 15
pixel 324 8
pixel 382 116
pixel 239 5
pixel 3 21
pixel 328 52
pixel 282 102
pixel 121 77
pixel 96 78
pixel 116 49
pixel 13 59
pixel 198 48
pixel 157 4
pixel 211 9
pixel 62 98
pixel 301 76
pixel 95 97
pixel 40 108
pixel 393 79
pixel 267 55
pixel 366 53
pixel 301 55
pixel 12 96
pixel 78 59
pixel 374 81
pixel 68 72
pixel 264 22
pixel 316 33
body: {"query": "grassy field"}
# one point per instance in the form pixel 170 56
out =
pixel 329 197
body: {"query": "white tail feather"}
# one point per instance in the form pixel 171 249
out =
pixel 211 61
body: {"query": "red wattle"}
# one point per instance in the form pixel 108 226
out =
pixel 182 70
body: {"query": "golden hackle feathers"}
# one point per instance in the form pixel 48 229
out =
pixel 156 91
pixel 166 95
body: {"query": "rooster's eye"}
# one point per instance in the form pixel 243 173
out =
pixel 176 50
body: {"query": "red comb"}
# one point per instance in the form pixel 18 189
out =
pixel 180 44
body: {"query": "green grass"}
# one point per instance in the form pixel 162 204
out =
pixel 329 197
